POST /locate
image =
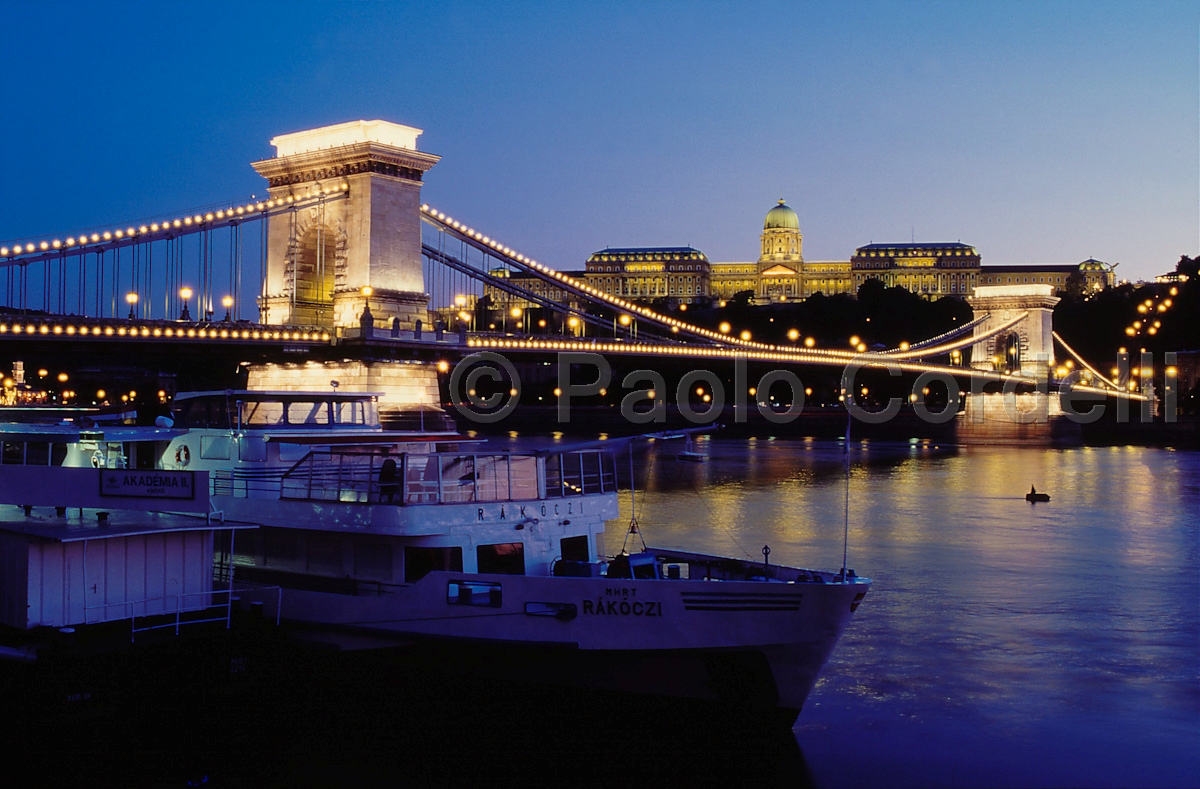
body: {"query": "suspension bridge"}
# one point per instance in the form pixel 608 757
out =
pixel 342 254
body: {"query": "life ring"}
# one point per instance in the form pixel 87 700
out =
pixel 97 459
pixel 183 455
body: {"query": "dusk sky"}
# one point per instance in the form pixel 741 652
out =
pixel 1038 132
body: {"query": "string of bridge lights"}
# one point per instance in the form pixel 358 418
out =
pixel 232 213
pixel 723 335
pixel 166 332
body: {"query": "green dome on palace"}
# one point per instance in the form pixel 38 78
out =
pixel 781 217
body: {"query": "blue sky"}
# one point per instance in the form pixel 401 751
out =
pixel 1039 132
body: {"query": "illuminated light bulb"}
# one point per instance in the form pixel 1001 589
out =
pixel 3 250
pixel 129 231
pixel 118 233
pixel 44 246
pixel 95 236
pixel 177 223
pixel 143 229
pixel 187 220
pixel 208 217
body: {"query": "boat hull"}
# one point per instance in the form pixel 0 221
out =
pixel 751 643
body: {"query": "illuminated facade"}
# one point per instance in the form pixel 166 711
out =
pixel 934 270
pixel 679 274
pixel 781 272
pixel 1097 275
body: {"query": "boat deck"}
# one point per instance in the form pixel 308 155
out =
pixel 75 524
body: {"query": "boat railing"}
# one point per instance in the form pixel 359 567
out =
pixel 175 611
pixel 446 477
pixel 246 483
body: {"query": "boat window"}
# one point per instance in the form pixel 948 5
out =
pixel 214 447
pixel 373 560
pixel 202 412
pixel 349 413
pixel 474 593
pixel 37 453
pixel 259 414
pixel 252 449
pixel 507 558
pixel 308 413
pixel 419 562
pixel 574 549
pixel 58 454
pixel 325 554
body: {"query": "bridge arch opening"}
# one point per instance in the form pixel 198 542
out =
pixel 317 265
pixel 1008 351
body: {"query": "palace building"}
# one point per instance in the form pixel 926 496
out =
pixel 675 276
pixel 1097 275
pixel 679 274
pixel 781 272
pixel 930 269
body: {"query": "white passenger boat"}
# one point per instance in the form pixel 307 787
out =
pixel 430 544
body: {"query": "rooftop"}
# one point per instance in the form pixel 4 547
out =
pixel 925 245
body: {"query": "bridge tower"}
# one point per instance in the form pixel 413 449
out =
pixel 1027 348
pixel 357 240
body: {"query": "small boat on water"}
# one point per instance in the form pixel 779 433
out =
pixel 298 505
pixel 1033 496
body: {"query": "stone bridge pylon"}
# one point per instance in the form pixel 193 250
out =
pixel 1027 348
pixel 357 236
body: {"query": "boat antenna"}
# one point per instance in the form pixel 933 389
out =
pixel 846 518
pixel 633 523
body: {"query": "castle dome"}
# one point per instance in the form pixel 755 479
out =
pixel 781 217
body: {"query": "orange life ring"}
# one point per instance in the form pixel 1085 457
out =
pixel 183 455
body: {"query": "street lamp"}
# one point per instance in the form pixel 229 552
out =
pixel 516 313
pixel 185 293
pixel 132 299
pixel 227 303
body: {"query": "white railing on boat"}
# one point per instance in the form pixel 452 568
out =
pixel 356 476
pixel 172 611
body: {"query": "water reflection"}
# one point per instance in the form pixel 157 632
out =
pixel 990 617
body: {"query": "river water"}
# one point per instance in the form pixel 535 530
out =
pixel 1003 643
